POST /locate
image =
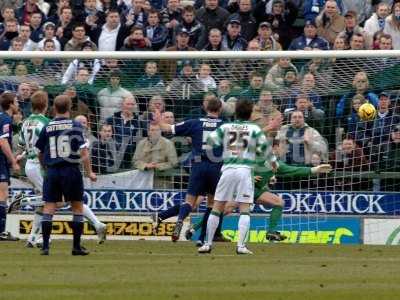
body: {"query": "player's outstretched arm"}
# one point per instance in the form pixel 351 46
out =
pixel 86 164
pixel 286 170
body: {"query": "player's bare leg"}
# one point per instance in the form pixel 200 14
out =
pixel 184 210
pixel 230 207
pixel 212 224
pixel 275 216
pixel 77 226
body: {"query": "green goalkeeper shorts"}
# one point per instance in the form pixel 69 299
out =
pixel 258 192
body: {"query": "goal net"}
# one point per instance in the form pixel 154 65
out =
pixel 318 94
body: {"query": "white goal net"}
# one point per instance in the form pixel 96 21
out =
pixel 317 93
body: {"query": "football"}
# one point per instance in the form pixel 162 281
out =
pixel 367 112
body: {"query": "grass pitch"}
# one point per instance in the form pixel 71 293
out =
pixel 162 270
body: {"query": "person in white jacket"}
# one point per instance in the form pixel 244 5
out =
pixel 377 21
pixel 110 98
pixel 392 26
pixel 205 77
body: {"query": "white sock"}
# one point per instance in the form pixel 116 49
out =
pixel 88 214
pixel 212 224
pixel 36 227
pixel 243 225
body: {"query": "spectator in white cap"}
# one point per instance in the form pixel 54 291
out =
pixel 49 29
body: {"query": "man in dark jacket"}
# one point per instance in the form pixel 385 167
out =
pixel 125 127
pixel 248 22
pixel 212 16
pixel 197 32
pixel 156 33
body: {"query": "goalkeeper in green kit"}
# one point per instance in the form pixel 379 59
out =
pixel 263 175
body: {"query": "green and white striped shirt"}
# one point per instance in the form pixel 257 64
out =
pixel 242 143
pixel 29 134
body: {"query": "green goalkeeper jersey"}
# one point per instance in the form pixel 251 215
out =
pixel 29 134
pixel 242 143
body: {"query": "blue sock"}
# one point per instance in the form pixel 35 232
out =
pixel 170 212
pixel 3 216
pixel 184 211
pixel 77 227
pixel 47 224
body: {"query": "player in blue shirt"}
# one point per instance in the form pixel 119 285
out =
pixel 61 147
pixel 9 105
pixel 206 162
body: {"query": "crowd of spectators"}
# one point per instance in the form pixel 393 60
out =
pixel 118 98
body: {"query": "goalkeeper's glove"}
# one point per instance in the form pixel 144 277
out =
pixel 321 169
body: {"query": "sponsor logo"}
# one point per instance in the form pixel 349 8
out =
pixel 336 236
pixel 114 228
pixel 295 203
pixel 300 230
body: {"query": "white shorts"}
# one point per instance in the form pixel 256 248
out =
pixel 33 171
pixel 235 184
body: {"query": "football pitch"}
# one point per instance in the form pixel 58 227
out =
pixel 162 270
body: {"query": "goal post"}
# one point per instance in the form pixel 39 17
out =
pixel 318 94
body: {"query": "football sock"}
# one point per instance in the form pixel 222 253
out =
pixel 37 220
pixel 184 211
pixel 88 214
pixel 77 227
pixel 204 224
pixel 274 218
pixel 243 225
pixel 47 222
pixel 212 225
pixel 221 218
pixel 170 212
pixel 3 216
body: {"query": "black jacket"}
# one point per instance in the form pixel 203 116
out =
pixel 213 18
